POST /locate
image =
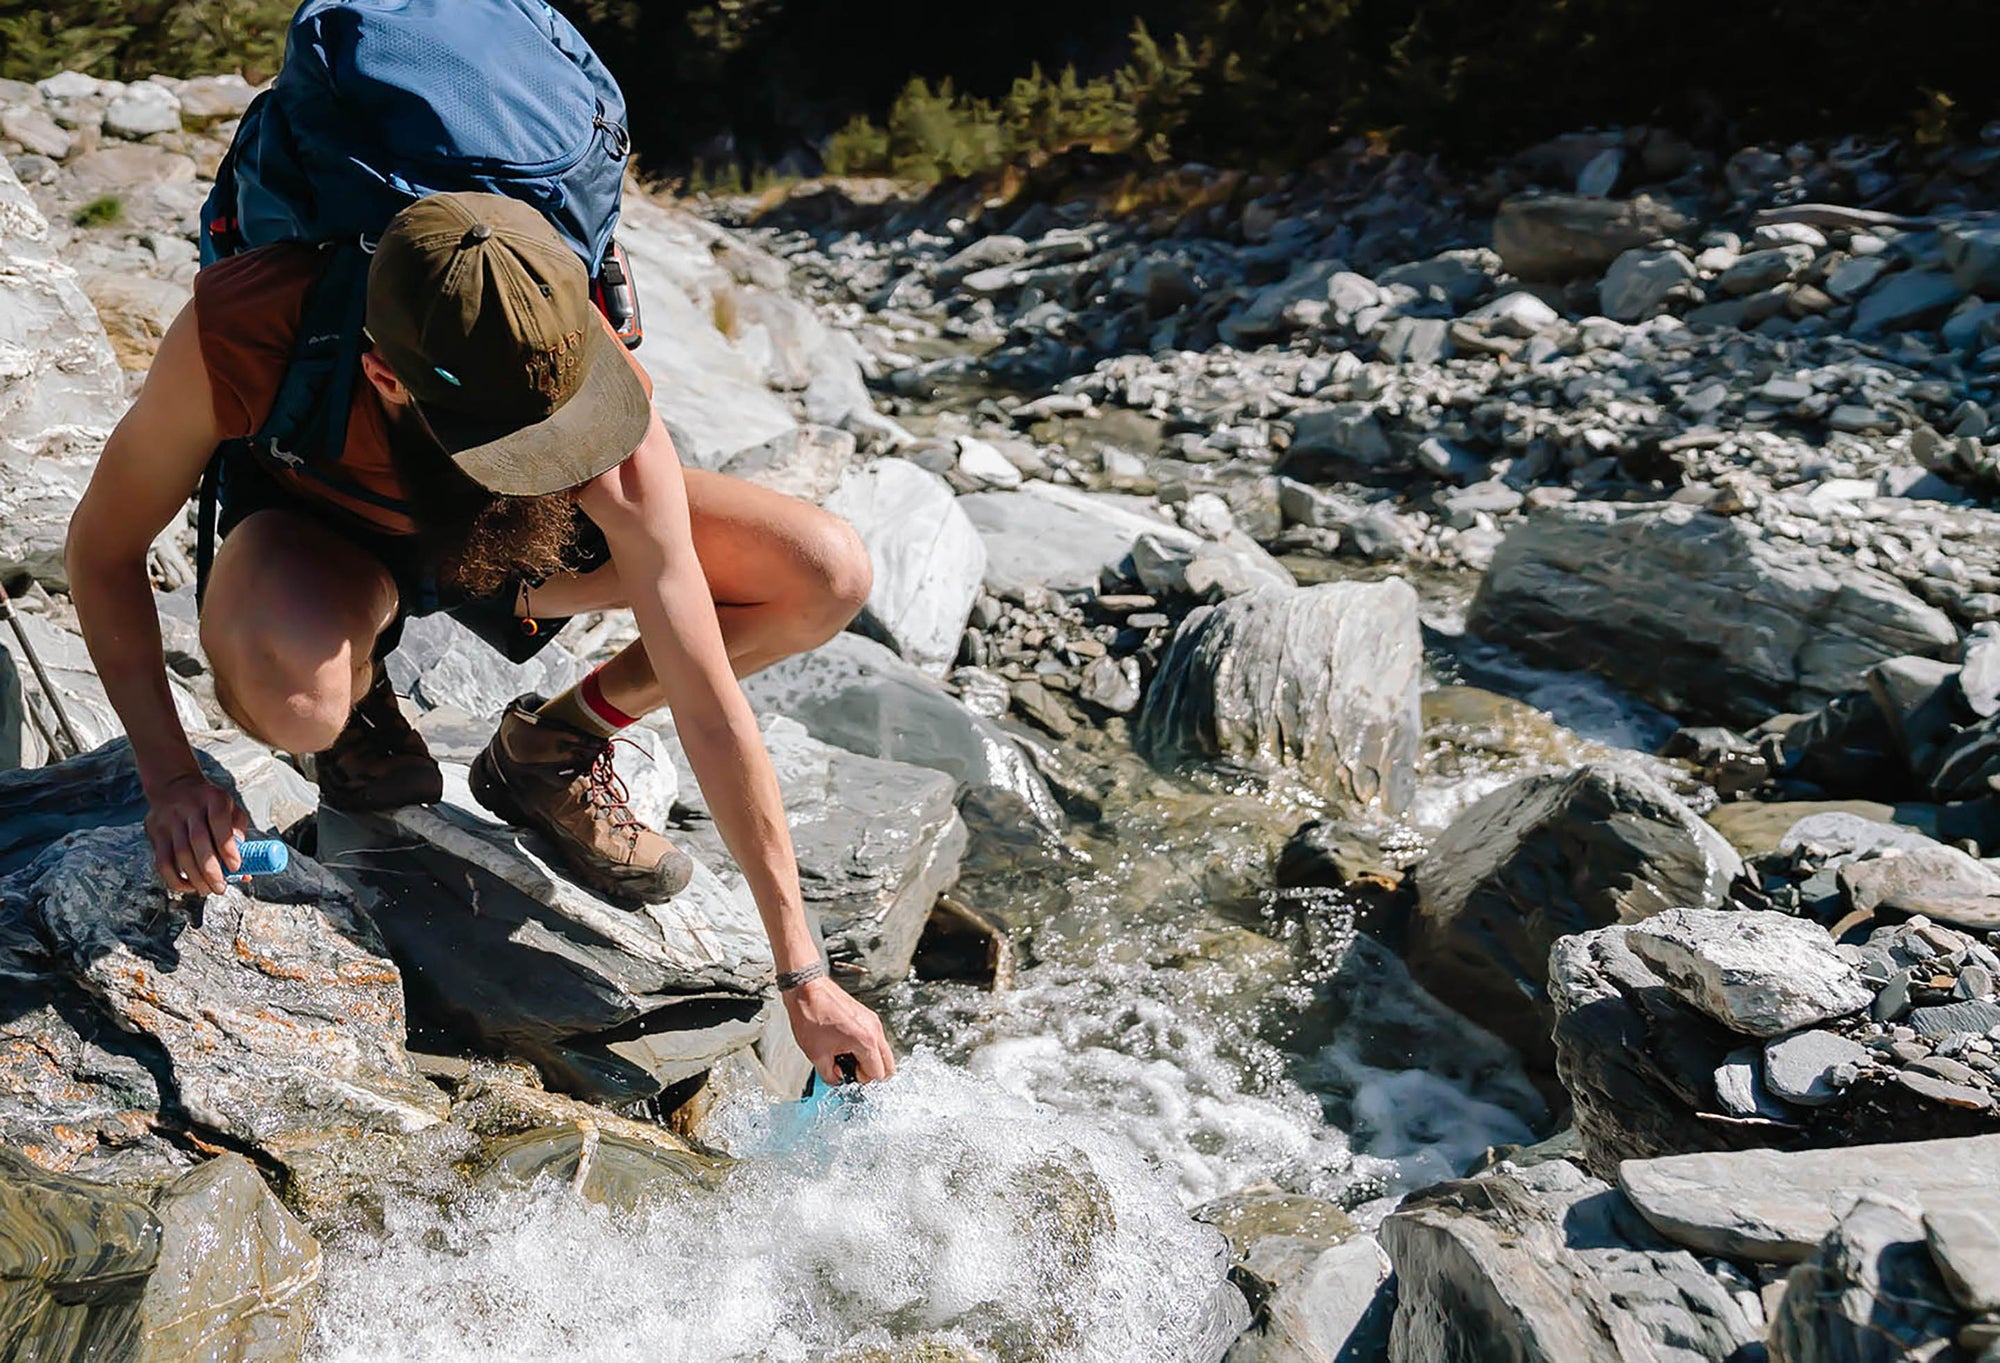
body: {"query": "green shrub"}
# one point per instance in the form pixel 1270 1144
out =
pixel 106 210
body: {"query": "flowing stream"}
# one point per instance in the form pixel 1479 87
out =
pixel 1177 1031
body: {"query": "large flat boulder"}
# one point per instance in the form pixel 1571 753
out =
pixel 1317 683
pixel 509 955
pixel 1061 538
pixel 877 842
pixel 1695 614
pixel 61 391
pixel 927 556
pixel 857 694
pixel 79 1254
pixel 1548 1263
pixel 274 1006
pixel 1775 1207
pixel 26 728
pixel 1540 859
pixel 1557 237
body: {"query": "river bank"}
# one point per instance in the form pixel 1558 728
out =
pixel 1452 717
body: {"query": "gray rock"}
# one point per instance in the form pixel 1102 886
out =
pixel 1965 1244
pixel 77 686
pixel 1760 974
pixel 1811 1068
pixel 807 463
pixel 983 254
pixel 1454 277
pixel 856 694
pixel 1346 431
pixel 36 132
pixel 1112 684
pixel 1463 506
pixel 1060 538
pixel 1519 314
pixel 236 1275
pixel 142 109
pixel 1541 859
pixel 1316 682
pixel 1173 567
pixel 1902 302
pixel 1935 880
pixel 613 1004
pixel 1321 1298
pixel 877 842
pixel 1693 613
pixel 64 391
pixel 1641 282
pixel 1556 237
pixel 442 663
pixel 1774 1207
pixel 1941 1020
pixel 1869 1293
pixel 1548 1263
pixel 929 559
pixel 1850 835
pixel 275 1008
pixel 1761 270
pixel 213 99
pixel 1739 1087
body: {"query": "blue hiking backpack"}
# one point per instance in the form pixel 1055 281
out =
pixel 380 103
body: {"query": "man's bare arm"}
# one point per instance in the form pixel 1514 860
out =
pixel 641 506
pixel 150 466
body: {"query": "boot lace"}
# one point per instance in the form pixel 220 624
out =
pixel 606 790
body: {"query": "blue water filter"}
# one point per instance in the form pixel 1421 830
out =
pixel 261 857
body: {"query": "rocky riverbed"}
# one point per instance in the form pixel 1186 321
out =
pixel 1419 782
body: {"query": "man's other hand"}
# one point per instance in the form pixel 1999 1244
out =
pixel 828 1023
pixel 195 828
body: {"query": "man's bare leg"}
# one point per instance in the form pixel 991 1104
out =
pixel 289 625
pixel 785 576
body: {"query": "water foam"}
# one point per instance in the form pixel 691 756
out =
pixel 942 1207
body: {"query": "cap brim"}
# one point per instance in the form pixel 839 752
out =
pixel 596 430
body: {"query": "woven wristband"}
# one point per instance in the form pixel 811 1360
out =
pixel 789 980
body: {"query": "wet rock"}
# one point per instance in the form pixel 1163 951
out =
pixel 1774 1207
pixel 1317 682
pixel 1314 1280
pixel 1543 858
pixel 1112 684
pixel 1870 1292
pixel 63 391
pixel 606 1167
pixel 1546 1262
pixel 79 1254
pixel 1555 237
pixel 612 1004
pixel 1760 974
pixel 1693 613
pixel 276 1009
pixel 856 694
pixel 1062 539
pixel 877 842
pixel 929 559
pixel 236 1275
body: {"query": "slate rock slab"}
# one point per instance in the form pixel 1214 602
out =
pixel 929 559
pixel 510 956
pixel 1319 683
pixel 278 1011
pixel 1774 1207
pixel 1811 1067
pixel 1694 614
pixel 1543 858
pixel 1761 974
pixel 77 1258
pixel 1549 1263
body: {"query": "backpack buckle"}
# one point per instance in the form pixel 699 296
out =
pixel 621 140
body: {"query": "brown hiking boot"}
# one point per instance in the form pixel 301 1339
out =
pixel 378 762
pixel 545 776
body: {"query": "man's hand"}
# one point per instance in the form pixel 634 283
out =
pixel 194 827
pixel 828 1022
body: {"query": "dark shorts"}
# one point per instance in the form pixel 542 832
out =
pixel 245 489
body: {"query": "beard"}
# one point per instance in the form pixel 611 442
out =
pixel 480 540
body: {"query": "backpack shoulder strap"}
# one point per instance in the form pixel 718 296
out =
pixel 307 423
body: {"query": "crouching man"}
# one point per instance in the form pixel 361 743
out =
pixel 502 461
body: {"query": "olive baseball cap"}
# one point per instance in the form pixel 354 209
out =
pixel 484 313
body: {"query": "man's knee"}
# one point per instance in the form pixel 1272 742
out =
pixel 842 572
pixel 277 696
